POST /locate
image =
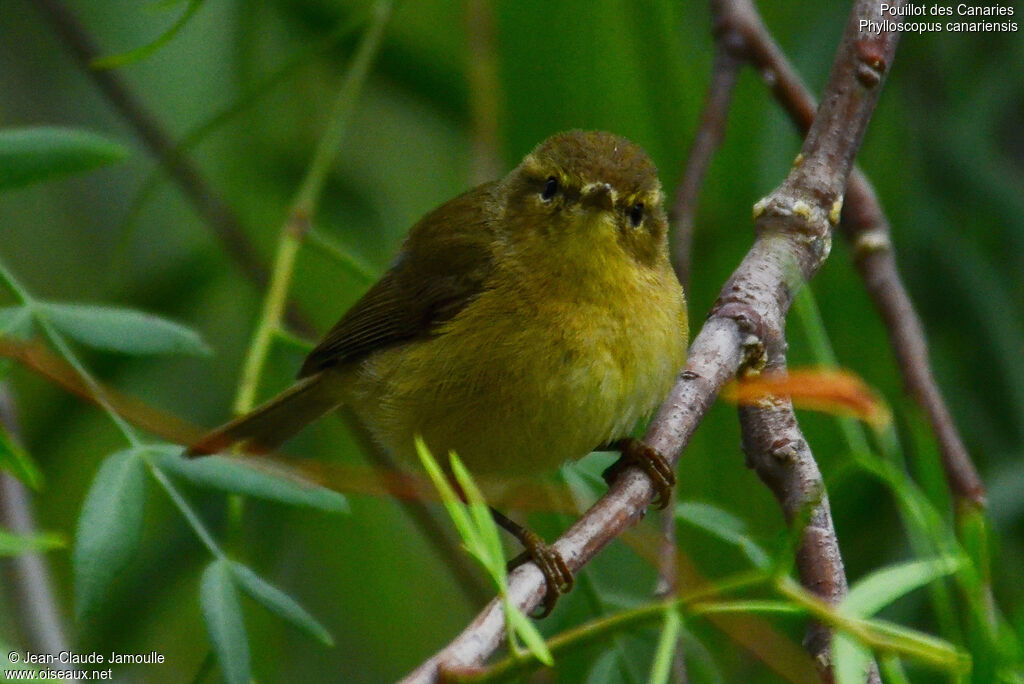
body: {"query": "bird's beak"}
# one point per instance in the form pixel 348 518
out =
pixel 599 196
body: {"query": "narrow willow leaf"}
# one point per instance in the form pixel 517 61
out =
pixel 452 503
pixel 892 670
pixel 12 544
pixel 882 587
pixel 723 525
pixel 140 53
pixel 764 607
pixel 222 614
pixel 235 476
pixel 279 603
pixel 527 631
pixel 122 330
pixel 108 528
pixel 850 659
pixel 606 668
pixel 490 551
pixel 16 321
pixel 15 460
pixel 32 155
pixel 926 648
pixel 661 669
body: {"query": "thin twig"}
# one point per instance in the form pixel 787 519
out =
pixel 292 235
pixel 217 215
pixel 668 573
pixel 793 234
pixel 31 581
pixel 484 90
pixel 710 131
pixel 866 228
pixel 304 206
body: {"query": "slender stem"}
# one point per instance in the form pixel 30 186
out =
pixel 186 510
pixel 31 581
pixel 273 306
pixel 710 132
pixel 776 449
pixel 98 392
pixel 341 112
pixel 303 208
pixel 484 89
pixel 65 350
pixel 793 236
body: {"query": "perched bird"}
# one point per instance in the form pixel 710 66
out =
pixel 523 324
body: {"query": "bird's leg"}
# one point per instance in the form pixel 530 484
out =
pixel 556 573
pixel 636 453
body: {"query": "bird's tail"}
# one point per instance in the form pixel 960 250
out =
pixel 268 426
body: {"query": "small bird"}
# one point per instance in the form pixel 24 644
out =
pixel 523 324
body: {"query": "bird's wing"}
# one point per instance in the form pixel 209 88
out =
pixel 444 263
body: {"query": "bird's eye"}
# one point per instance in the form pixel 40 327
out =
pixel 636 214
pixel 550 188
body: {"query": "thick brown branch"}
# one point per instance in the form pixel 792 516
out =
pixel 866 228
pixel 792 243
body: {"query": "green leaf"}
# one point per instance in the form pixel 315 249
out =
pixel 16 321
pixel 140 53
pixel 661 669
pixel 222 613
pixel 122 330
pixel 108 528
pixel 15 460
pixel 279 603
pixel 31 155
pixel 478 531
pixel 976 536
pixel 882 587
pixel 892 670
pixel 764 607
pixel 486 535
pixel 723 525
pixel 607 667
pixel 452 503
pixel 234 475
pixel 850 659
pixel 527 631
pixel 12 544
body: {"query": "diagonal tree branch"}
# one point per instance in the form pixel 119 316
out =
pixel 793 238
pixel 866 228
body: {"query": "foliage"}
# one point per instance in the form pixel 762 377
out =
pixel 95 233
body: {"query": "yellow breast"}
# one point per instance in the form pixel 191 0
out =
pixel 530 375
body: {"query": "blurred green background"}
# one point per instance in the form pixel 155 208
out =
pixel 945 151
